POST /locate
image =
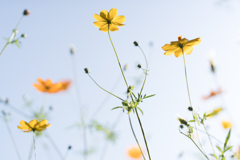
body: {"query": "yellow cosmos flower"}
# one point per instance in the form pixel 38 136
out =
pixel 214 112
pixel 134 152
pixel 226 124
pixel 180 46
pixel 109 20
pixel 33 125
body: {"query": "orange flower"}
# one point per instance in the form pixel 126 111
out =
pixel 65 85
pixel 134 152
pixel 49 87
pixel 213 93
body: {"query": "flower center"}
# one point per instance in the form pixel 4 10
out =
pixel 180 45
pixel 108 21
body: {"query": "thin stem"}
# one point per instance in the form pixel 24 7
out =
pixel 55 146
pixel 105 147
pixel 104 89
pixel 30 153
pixel 117 58
pixel 13 140
pixel 79 104
pixel 143 134
pixel 105 100
pixel 185 67
pixel 17 110
pixel 195 144
pixel 12 35
pixel 130 122
pixel 4 48
pixel 209 138
pixel 145 71
pixel 34 145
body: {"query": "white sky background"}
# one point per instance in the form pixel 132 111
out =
pixel 53 26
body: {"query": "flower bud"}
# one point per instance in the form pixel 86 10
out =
pixel 24 35
pixel 72 50
pixel 26 12
pixel 181 126
pixel 7 101
pixel 190 108
pixel 69 147
pixel 139 66
pixel 212 66
pixel 183 121
pixel 179 37
pixel 86 70
pixel 135 43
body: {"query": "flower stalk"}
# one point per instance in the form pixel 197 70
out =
pixel 185 68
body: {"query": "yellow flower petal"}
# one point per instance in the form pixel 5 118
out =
pixel 169 47
pixel 43 122
pixel 226 124
pixel 28 130
pixel 178 53
pixel 112 13
pixel 23 127
pixel 99 24
pixel 98 18
pixel 104 28
pixel 188 49
pixel 113 27
pixel 32 123
pixel 119 19
pixel 104 14
pixel 170 52
pixel 194 42
pixel 118 24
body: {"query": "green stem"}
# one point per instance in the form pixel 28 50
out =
pixel 30 153
pixel 117 58
pixel 54 146
pixel 143 134
pixel 185 67
pixel 4 48
pixel 13 140
pixel 79 104
pixel 104 89
pixel 11 36
pixel 135 136
pixel 146 70
pixel 209 138
pixel 195 144
pixel 34 145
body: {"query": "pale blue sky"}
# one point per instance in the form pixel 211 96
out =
pixel 53 26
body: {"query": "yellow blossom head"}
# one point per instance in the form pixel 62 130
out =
pixel 226 124
pixel 180 46
pixel 109 20
pixel 134 152
pixel 33 125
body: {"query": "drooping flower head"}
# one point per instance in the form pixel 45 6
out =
pixel 49 87
pixel 33 125
pixel 134 152
pixel 226 124
pixel 180 46
pixel 109 20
